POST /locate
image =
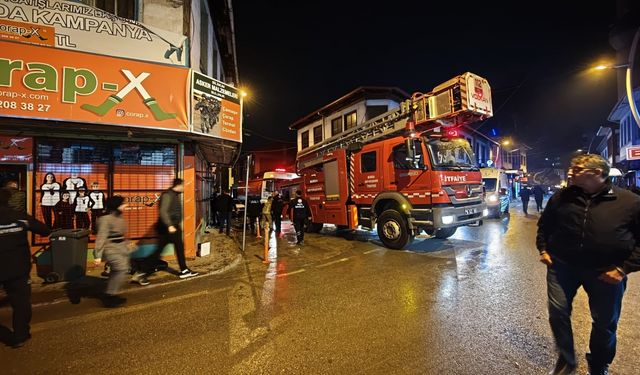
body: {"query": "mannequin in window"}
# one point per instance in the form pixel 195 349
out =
pixel 50 196
pixel 97 209
pixel 73 183
pixel 82 204
pixel 64 211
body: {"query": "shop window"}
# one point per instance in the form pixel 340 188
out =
pixel 121 8
pixel 138 172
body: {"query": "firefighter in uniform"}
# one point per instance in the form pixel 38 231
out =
pixel 15 264
pixel 299 212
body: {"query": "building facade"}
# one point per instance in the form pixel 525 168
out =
pixel 96 105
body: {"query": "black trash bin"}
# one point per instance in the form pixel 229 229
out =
pixel 68 254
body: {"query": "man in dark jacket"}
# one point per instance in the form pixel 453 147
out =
pixel 276 212
pixel 170 230
pixel 15 264
pixel 299 212
pixel 589 236
pixel 18 200
pixel 226 207
pixel 525 194
pixel 538 194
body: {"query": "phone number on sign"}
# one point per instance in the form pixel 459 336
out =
pixel 5 104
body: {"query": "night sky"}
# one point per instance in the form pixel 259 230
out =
pixel 295 57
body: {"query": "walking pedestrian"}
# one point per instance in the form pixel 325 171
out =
pixel 226 207
pixel 276 212
pixel 588 236
pixel 538 195
pixel 170 231
pixel 15 264
pixel 299 212
pixel 111 243
pixel 525 194
pixel 266 221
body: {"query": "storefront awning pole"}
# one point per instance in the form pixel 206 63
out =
pixel 246 196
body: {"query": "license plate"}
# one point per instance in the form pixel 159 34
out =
pixel 470 211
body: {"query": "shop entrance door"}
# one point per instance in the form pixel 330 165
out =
pixel 13 172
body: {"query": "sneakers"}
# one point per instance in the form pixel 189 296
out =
pixel 563 367
pixel 140 278
pixel 187 273
pixel 595 368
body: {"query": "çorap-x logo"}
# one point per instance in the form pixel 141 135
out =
pixel 135 83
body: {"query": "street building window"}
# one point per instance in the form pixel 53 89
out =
pixel 368 162
pixel 304 140
pixel 375 110
pixel 336 126
pixel 317 134
pixel 121 8
pixel 204 39
pixel 350 120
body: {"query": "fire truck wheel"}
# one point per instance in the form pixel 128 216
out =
pixel 393 230
pixel 443 233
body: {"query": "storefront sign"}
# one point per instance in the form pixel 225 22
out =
pixel 80 27
pixel 217 110
pixel 16 149
pixel 633 153
pixel 46 83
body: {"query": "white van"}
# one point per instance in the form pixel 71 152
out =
pixel 496 189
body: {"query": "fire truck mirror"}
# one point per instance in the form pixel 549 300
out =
pixel 411 151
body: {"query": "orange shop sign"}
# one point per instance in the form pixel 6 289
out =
pixel 48 83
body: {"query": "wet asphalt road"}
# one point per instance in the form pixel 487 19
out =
pixel 473 304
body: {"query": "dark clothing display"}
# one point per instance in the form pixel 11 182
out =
pixel 592 231
pixel 64 212
pixel 15 265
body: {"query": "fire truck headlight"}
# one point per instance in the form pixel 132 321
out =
pixel 448 219
pixel 492 198
pixel 485 212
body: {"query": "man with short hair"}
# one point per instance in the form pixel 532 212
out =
pixel 589 236
pixel 170 231
pixel 15 264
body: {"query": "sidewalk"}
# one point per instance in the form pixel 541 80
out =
pixel 225 254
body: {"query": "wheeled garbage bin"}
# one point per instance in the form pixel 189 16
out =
pixel 68 254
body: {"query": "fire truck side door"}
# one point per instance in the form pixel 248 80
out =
pixel 367 176
pixel 409 175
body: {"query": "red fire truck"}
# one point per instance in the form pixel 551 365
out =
pixel 278 180
pixel 404 171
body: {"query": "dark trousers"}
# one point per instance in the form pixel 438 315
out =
pixel 539 204
pixel 19 293
pixel 298 224
pixel 82 220
pixel 47 214
pixel 605 304
pixel 224 218
pixel 164 239
pixel 252 220
pixel 277 219
pixel 525 206
pixel 95 214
